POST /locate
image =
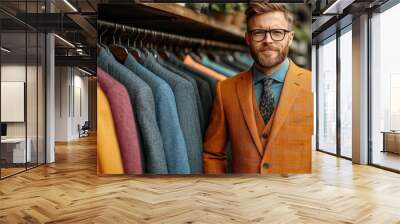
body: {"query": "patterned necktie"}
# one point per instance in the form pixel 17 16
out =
pixel 267 100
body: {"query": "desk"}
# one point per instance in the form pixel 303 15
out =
pixel 391 141
pixel 13 150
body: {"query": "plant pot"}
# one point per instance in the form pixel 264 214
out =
pixel 224 18
pixel 238 19
pixel 228 18
pixel 219 17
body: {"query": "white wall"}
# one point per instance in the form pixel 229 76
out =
pixel 33 126
pixel 61 103
pixel 71 102
pixel 12 101
pixel 16 73
pixel 80 110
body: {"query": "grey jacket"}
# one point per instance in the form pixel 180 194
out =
pixel 195 87
pixel 144 108
pixel 211 81
pixel 204 92
pixel 167 118
pixel 187 110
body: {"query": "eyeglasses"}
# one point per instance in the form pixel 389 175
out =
pixel 259 35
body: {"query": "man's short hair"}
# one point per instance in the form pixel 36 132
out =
pixel 258 8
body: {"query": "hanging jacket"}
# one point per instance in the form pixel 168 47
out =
pixel 167 118
pixel 124 122
pixel 144 108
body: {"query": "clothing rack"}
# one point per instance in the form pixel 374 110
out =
pixel 184 40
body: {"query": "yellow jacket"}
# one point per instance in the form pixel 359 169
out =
pixel 108 154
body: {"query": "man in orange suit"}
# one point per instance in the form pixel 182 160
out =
pixel 267 111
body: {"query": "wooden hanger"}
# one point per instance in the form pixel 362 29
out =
pixel 139 52
pixel 135 52
pixel 119 52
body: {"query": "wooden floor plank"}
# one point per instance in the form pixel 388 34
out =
pixel 69 191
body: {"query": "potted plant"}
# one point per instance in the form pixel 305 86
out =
pixel 198 7
pixel 240 16
pixel 224 12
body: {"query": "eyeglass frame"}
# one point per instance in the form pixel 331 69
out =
pixel 269 32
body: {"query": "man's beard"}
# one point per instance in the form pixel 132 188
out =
pixel 269 62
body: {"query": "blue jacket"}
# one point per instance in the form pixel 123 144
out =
pixel 195 88
pixel 187 111
pixel 167 118
pixel 204 92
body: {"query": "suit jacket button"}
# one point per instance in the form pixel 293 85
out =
pixel 265 165
pixel 264 135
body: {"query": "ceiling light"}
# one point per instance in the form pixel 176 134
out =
pixel 84 71
pixel 333 6
pixel 79 51
pixel 65 41
pixel 70 5
pixel 5 50
pixel 338 6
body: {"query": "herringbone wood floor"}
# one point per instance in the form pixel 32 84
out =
pixel 70 192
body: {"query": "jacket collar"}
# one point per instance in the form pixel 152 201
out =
pixel 277 76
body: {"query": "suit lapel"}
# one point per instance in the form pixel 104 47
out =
pixel 289 93
pixel 244 88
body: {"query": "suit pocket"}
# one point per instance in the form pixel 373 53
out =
pixel 302 109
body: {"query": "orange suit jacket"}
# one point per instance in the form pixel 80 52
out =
pixel 284 148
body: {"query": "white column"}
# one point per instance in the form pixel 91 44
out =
pixel 314 89
pixel 360 90
pixel 50 93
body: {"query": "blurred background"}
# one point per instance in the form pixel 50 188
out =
pixel 234 13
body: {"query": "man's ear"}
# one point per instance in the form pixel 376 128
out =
pixel 291 36
pixel 248 38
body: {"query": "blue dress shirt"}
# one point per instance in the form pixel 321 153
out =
pixel 278 79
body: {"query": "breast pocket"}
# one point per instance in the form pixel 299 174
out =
pixel 298 111
pixel 300 119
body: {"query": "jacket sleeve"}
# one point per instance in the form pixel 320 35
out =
pixel 214 155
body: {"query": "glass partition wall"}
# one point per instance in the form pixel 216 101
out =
pixel 333 78
pixel 385 90
pixel 334 90
pixel 345 62
pixel 22 77
pixel 326 136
